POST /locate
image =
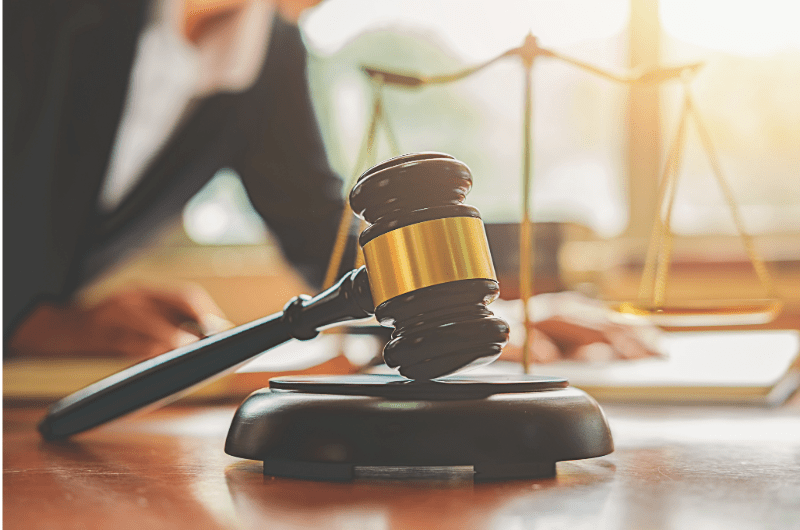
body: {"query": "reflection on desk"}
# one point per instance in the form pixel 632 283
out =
pixel 674 467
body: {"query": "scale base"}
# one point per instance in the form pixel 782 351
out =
pixel 340 428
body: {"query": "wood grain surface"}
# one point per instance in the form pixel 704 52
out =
pixel 673 468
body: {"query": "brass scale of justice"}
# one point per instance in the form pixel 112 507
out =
pixel 428 273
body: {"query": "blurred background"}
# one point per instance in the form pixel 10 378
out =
pixel 598 146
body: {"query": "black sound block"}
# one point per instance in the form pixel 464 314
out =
pixel 337 428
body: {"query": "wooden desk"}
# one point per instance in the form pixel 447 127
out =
pixel 676 468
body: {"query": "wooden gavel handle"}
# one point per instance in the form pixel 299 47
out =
pixel 171 374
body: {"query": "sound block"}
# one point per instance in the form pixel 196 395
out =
pixel 338 428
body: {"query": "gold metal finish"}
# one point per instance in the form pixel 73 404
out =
pixel 653 286
pixel 366 159
pixel 526 227
pixel 425 254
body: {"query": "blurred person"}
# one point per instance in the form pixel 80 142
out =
pixel 115 115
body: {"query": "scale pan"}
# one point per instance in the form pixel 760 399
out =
pixel 705 313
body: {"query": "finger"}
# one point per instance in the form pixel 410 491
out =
pixel 134 317
pixel 130 343
pixel 511 353
pixel 567 334
pixel 213 323
pixel 179 305
pixel 625 344
pixel 595 352
pixel 542 349
pixel 134 314
pixel 192 304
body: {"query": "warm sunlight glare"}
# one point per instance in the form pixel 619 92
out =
pixel 738 27
pixel 474 30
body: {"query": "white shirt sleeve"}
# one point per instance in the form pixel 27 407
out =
pixel 169 73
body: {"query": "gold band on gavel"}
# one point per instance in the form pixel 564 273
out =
pixel 425 254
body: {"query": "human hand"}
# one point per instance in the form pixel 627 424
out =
pixel 571 326
pixel 138 323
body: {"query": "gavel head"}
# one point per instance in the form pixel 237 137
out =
pixel 429 267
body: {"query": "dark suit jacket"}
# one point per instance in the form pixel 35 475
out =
pixel 66 69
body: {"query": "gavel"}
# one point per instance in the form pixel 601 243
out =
pixel 428 272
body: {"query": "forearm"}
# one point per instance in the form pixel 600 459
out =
pixel 283 163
